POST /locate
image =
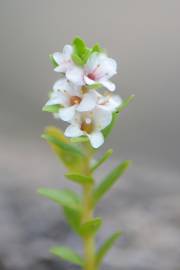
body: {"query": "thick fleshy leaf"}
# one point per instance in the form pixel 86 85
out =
pixel 66 197
pixel 106 246
pixel 67 254
pixel 79 139
pixel 79 178
pixel 110 180
pixel 51 108
pixel 81 52
pixel 94 86
pixel 73 219
pixel 91 226
pixel 77 60
pixel 73 161
pixel 102 160
pixel 66 147
pixel 52 60
pixel 106 131
pixel 79 45
pixel 97 48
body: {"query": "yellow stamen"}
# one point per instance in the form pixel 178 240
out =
pixel 87 125
pixel 75 100
pixel 84 89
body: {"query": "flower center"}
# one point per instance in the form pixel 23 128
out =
pixel 75 100
pixel 87 125
pixel 91 76
pixel 84 89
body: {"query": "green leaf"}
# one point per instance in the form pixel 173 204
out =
pixel 73 161
pixel 66 197
pixel 91 226
pixel 52 108
pixel 67 254
pixel 79 178
pixel 52 60
pixel 76 59
pixel 73 219
pixel 102 160
pixel 79 46
pixel 97 48
pixel 106 131
pixel 109 180
pixel 106 247
pixel 94 86
pixel 81 52
pixel 62 145
pixel 79 139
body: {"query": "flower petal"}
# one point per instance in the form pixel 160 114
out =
pixel 67 51
pixel 114 102
pixel 102 118
pixel 108 84
pixel 61 68
pixel 101 66
pixel 58 98
pixel 109 66
pixel 62 84
pixel 94 60
pixel 75 75
pixel 58 57
pixel 96 139
pixel 88 102
pixel 73 131
pixel 89 81
pixel 66 114
pixel 110 103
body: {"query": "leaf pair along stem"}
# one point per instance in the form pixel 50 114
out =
pixel 79 210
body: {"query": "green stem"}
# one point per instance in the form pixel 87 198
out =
pixel 88 240
pixel 88 212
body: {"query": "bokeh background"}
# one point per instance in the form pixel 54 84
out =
pixel 144 37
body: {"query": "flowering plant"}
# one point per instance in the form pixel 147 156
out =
pixel 83 98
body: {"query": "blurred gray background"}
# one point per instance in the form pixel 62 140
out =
pixel 144 37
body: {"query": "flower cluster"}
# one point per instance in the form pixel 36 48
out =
pixel 82 96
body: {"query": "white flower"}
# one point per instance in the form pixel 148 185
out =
pixel 98 69
pixel 109 102
pixel 90 124
pixel 73 98
pixel 63 59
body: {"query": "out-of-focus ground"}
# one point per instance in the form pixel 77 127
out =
pixel 144 204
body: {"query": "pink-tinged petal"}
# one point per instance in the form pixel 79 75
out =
pixel 108 84
pixel 100 66
pixel 89 81
pixel 88 102
pixel 58 57
pixel 102 118
pixel 66 114
pixel 67 51
pixel 73 131
pixel 75 75
pixel 94 60
pixel 96 139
